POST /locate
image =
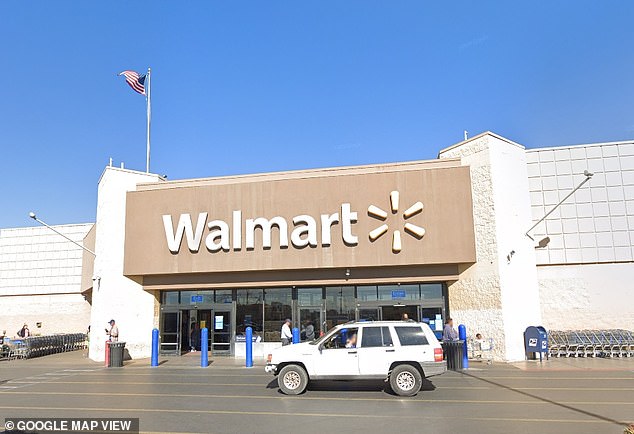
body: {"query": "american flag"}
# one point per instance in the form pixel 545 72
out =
pixel 135 81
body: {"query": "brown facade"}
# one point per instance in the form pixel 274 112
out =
pixel 444 190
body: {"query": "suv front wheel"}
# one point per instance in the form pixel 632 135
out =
pixel 406 380
pixel 292 380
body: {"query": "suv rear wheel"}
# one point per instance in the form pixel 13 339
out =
pixel 406 380
pixel 292 379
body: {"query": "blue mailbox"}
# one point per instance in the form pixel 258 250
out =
pixel 536 341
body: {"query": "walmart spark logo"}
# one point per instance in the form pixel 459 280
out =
pixel 412 229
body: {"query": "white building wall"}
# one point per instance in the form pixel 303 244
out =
pixel 587 296
pixel 596 224
pixel 585 272
pixel 117 297
pixel 496 296
pixel 40 280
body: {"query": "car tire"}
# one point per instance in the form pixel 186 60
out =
pixel 292 380
pixel 406 380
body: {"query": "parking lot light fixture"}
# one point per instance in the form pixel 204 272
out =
pixel 34 217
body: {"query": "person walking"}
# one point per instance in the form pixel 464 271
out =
pixel 113 333
pixel 24 331
pixel 286 335
pixel 449 333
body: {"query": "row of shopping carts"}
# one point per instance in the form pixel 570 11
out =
pixel 591 343
pixel 37 346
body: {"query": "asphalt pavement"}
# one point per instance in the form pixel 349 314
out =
pixel 558 396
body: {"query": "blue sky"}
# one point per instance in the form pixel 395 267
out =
pixel 241 87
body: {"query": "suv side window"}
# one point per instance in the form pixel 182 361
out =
pixel 344 338
pixel 376 337
pixel 412 335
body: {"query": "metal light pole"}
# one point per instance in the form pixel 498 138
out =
pixel 588 175
pixel 34 217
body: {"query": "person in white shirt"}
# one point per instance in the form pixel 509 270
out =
pixel 113 333
pixel 286 335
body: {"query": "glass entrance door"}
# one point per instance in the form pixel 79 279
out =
pixel 397 312
pixel 170 332
pixel 220 333
pixel 310 322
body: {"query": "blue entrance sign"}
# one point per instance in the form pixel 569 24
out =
pixel 399 294
pixel 197 298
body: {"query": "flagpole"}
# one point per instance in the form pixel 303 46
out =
pixel 149 117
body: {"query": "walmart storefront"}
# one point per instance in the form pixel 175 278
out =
pixel 321 247
pixel 227 313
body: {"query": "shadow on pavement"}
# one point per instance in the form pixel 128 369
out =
pixel 549 401
pixel 353 386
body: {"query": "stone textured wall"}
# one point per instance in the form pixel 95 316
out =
pixel 475 299
pixel 40 276
pixel 496 296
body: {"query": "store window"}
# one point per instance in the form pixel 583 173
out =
pixel 431 291
pixel 309 296
pixel 399 292
pixel 277 308
pixel 367 293
pixel 224 296
pixel 340 305
pixel 170 297
pixel 249 309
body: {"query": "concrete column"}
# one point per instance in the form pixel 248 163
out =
pixel 117 297
pixel 497 296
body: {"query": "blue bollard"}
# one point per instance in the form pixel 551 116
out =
pixel 249 345
pixel 155 346
pixel 204 348
pixel 462 334
pixel 295 335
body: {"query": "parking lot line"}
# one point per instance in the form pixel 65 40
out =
pixel 316 398
pixel 313 415
pixel 260 385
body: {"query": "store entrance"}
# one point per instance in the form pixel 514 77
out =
pixel 398 312
pixel 389 313
pixel 432 313
pixel 181 331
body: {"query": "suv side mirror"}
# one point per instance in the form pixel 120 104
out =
pixel 320 347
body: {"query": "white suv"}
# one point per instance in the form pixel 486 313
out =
pixel 403 352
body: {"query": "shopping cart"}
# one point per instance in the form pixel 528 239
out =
pixel 480 350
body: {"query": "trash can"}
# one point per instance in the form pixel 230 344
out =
pixel 116 354
pixel 452 353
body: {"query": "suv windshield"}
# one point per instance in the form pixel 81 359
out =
pixel 324 337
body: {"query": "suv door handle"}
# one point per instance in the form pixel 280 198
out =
pixel 389 351
pixel 352 352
